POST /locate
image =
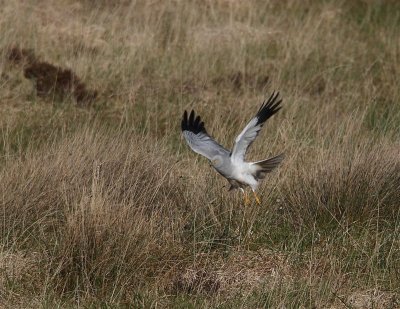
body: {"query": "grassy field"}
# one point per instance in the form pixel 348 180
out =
pixel 104 205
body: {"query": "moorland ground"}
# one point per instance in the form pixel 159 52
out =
pixel 103 204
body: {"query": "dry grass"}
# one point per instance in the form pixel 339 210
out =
pixel 106 205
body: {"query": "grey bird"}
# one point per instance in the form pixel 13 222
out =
pixel 232 164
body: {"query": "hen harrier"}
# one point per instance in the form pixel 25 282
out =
pixel 231 164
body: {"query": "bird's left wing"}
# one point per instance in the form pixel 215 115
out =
pixel 198 139
pixel 250 132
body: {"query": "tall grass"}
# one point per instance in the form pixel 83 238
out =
pixel 105 205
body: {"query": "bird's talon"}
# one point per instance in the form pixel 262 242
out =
pixel 257 198
pixel 246 199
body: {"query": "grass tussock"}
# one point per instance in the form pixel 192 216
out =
pixel 349 186
pixel 106 205
pixel 96 199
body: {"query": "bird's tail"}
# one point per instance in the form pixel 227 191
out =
pixel 266 166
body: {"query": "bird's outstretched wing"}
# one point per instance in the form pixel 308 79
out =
pixel 198 139
pixel 250 132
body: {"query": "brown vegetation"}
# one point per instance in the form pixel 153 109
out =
pixel 52 80
pixel 19 55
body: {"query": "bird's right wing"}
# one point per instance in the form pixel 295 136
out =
pixel 198 139
pixel 250 132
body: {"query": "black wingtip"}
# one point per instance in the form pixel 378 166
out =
pixel 269 108
pixel 184 121
pixel 192 123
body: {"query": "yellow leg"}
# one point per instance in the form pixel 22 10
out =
pixel 257 198
pixel 246 198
